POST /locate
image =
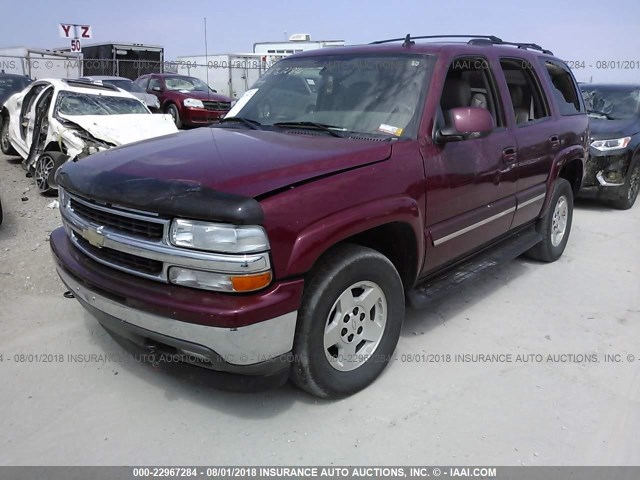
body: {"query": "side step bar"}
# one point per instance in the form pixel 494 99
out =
pixel 468 270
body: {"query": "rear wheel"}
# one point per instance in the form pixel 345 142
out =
pixel 555 226
pixel 349 322
pixel 5 144
pixel 46 167
pixel 631 187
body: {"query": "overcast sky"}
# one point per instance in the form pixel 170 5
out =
pixel 586 31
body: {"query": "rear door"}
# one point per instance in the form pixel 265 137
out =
pixel 471 184
pixel 536 133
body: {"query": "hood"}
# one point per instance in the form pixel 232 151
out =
pixel 123 129
pixel 602 128
pixel 202 95
pixel 213 162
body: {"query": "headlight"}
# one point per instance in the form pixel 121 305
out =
pixel 611 144
pixel 218 237
pixel 192 102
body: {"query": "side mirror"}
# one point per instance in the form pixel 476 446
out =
pixel 465 123
pixel 156 89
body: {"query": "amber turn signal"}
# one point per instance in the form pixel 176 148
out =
pixel 249 283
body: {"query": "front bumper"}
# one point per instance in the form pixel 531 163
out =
pixel 201 116
pixel 606 170
pixel 162 316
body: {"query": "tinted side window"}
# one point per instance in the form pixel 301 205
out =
pixel 470 83
pixel 564 88
pixel 527 98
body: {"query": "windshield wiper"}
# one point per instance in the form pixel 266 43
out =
pixel 330 129
pixel 602 114
pixel 252 124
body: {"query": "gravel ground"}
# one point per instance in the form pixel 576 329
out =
pixel 558 410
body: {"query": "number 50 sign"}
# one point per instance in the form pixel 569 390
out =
pixel 75 32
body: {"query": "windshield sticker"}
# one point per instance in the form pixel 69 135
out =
pixel 242 101
pixel 397 131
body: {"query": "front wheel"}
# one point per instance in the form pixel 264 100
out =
pixel 630 189
pixel 555 226
pixel 349 322
pixel 175 114
pixel 45 169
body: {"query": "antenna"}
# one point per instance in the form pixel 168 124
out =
pixel 206 59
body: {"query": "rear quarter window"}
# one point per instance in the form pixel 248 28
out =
pixel 564 88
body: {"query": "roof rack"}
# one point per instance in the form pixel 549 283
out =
pixel 89 84
pixel 408 40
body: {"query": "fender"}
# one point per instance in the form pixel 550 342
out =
pixel 351 221
pixel 564 156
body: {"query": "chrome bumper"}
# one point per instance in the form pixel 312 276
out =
pixel 243 346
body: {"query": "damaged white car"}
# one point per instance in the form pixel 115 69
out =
pixel 53 121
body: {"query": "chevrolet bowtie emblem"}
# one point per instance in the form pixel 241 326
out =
pixel 94 236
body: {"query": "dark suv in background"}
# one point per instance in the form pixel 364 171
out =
pixel 189 100
pixel 285 241
pixel 613 168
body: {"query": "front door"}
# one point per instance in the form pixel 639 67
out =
pixel 471 184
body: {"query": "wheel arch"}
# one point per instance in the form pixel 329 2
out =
pixel 568 164
pixel 389 226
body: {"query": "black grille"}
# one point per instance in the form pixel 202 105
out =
pixel 128 225
pixel 213 105
pixel 125 260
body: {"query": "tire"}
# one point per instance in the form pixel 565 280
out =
pixel 629 192
pixel 345 280
pixel 46 166
pixel 5 144
pixel 175 114
pixel 555 226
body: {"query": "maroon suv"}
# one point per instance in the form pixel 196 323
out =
pixel 286 240
pixel 189 100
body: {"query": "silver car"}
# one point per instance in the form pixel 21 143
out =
pixel 151 101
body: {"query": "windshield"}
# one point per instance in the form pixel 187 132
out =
pixel 615 103
pixel 73 103
pixel 126 85
pixel 188 84
pixel 381 94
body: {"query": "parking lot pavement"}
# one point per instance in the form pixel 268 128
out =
pixel 565 400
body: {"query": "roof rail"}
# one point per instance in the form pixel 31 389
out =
pixel 408 38
pixel 89 84
pixel 526 46
pixel 474 40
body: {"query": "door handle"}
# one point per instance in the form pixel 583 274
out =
pixel 554 140
pixel 509 155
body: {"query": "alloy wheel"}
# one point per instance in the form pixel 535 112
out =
pixel 355 326
pixel 44 166
pixel 559 221
pixel 634 183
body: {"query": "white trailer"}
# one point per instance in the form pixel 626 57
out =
pixel 37 63
pixel 230 74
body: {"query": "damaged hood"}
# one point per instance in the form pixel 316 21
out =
pixel 602 128
pixel 205 173
pixel 123 129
